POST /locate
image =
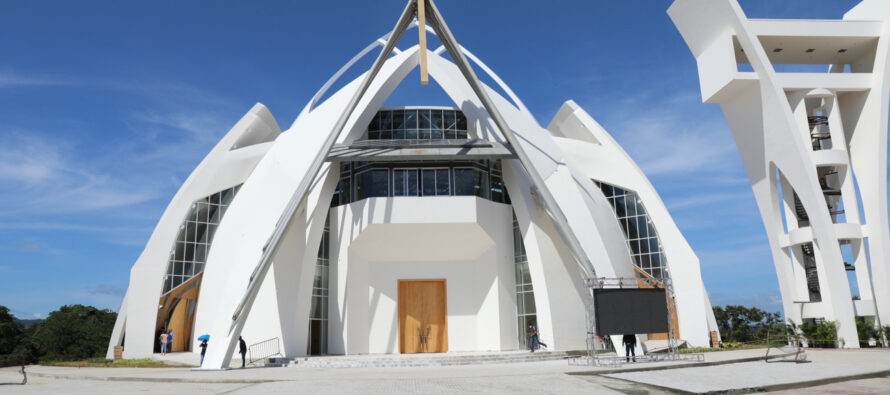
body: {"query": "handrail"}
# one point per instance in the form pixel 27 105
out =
pixel 264 349
pixel 411 143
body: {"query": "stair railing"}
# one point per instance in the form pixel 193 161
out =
pixel 264 349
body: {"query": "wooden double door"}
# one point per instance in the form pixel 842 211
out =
pixel 423 321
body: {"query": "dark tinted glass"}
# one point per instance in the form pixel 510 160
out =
pixel 429 182
pixel 443 184
pixel 372 183
pixel 412 124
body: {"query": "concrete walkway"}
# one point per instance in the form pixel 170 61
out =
pixel 537 377
pixel 190 359
pixel 822 367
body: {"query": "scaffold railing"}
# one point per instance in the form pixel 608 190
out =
pixel 595 357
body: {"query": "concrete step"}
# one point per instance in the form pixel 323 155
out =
pixel 272 362
pixel 417 360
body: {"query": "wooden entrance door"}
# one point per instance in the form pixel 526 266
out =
pixel 423 325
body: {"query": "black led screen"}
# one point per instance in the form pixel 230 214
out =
pixel 630 310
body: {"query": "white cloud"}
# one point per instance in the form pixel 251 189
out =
pixel 698 200
pixel 31 246
pixel 48 173
pixel 746 256
pixel 9 79
pixel 664 140
pixel 43 175
pixel 62 226
pixel 28 159
pixel 105 289
pixel 23 315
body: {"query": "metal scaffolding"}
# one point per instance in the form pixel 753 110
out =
pixel 596 358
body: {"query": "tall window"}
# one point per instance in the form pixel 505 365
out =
pixel 192 244
pixel 405 182
pixel 343 192
pixel 436 182
pixel 526 313
pixel 642 239
pixel 372 183
pixel 471 182
pixel 318 314
pixel 498 189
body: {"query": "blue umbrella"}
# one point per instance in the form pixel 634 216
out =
pixel 203 338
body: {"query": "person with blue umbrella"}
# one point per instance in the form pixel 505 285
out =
pixel 203 339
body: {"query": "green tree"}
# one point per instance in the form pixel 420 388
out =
pixel 11 332
pixel 73 332
pixel 745 324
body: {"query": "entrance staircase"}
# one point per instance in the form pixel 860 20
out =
pixel 419 360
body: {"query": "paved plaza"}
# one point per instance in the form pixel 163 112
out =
pixel 829 371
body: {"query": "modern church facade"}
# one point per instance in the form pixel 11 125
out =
pixel 422 231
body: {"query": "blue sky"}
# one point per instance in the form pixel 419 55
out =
pixel 106 107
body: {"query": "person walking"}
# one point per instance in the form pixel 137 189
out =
pixel 203 351
pixel 242 347
pixel 534 341
pixel 170 341
pixel 630 343
pixel 163 339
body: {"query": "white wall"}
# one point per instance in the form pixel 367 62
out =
pixel 465 240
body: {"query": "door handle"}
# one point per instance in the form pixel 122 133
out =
pixel 423 337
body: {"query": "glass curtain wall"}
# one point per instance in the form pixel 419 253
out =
pixel 195 236
pixel 360 180
pixel 418 124
pixel 525 297
pixel 318 314
pixel 642 239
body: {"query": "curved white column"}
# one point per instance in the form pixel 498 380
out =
pixel 229 163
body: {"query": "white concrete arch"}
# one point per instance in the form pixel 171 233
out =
pixel 599 157
pixel 380 42
pixel 262 199
pixel 222 168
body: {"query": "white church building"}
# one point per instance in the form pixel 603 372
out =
pixel 363 229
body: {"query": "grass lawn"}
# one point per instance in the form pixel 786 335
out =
pixel 107 363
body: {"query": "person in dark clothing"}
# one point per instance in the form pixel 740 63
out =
pixel 203 351
pixel 630 342
pixel 242 348
pixel 533 338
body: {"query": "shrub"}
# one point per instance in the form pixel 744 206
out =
pixel 825 335
pixel 866 330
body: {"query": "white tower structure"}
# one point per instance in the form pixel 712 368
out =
pixel 807 102
pixel 322 236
